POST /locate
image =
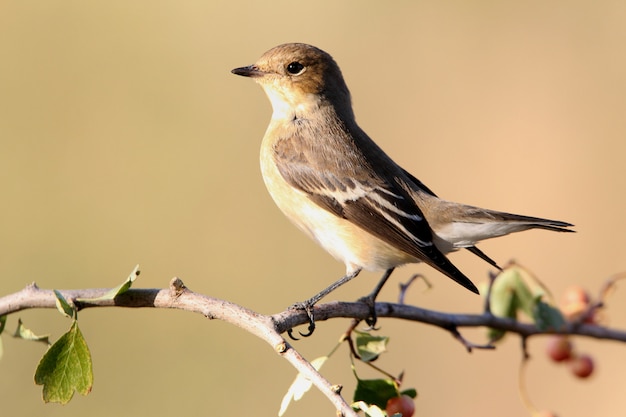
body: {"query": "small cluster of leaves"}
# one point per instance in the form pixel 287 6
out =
pixel 516 290
pixel 66 367
pixel 370 395
pixel 375 392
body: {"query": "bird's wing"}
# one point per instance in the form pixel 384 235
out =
pixel 343 182
pixel 418 185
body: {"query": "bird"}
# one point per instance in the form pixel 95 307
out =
pixel 341 189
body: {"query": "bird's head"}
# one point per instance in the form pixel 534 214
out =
pixel 298 78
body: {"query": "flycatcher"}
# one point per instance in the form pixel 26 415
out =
pixel 335 184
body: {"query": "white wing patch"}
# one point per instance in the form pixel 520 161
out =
pixel 384 207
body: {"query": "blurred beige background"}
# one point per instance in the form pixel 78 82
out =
pixel 124 139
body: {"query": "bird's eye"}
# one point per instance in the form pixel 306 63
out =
pixel 295 68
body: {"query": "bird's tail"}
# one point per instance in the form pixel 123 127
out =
pixel 467 223
pixel 488 224
pixel 521 223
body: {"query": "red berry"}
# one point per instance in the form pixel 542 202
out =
pixel 400 405
pixel 559 348
pixel 582 366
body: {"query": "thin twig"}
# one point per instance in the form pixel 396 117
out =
pixel 405 286
pixel 469 345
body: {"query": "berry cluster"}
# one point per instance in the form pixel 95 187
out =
pixel 575 306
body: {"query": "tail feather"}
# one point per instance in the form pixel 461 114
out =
pixel 517 223
pixel 530 222
pixel 467 225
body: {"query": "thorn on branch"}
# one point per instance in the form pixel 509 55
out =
pixel 177 287
pixel 404 287
pixel 610 284
pixel 469 345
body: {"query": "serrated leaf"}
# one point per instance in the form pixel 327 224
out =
pixel 369 347
pixel 369 410
pixel 65 368
pixel 375 391
pixel 22 332
pixel 120 289
pixel 300 386
pixel 63 306
pixel 547 317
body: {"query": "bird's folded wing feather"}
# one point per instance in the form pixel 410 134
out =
pixel 351 189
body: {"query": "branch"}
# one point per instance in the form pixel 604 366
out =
pixel 270 327
pixel 446 321
pixel 177 296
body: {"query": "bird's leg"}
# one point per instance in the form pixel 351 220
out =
pixel 370 299
pixel 307 305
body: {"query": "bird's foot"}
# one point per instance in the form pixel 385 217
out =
pixel 370 302
pixel 307 306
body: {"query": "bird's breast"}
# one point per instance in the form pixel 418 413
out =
pixel 345 241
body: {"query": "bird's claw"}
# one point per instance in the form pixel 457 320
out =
pixel 372 318
pixel 308 309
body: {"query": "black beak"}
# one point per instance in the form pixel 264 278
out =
pixel 249 71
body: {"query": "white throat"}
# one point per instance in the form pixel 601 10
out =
pixel 288 105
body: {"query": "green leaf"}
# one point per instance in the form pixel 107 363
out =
pixel 503 302
pixel 300 386
pixel 536 287
pixel 120 289
pixel 65 368
pixel 516 289
pixel 547 317
pixel 526 300
pixel 24 333
pixel 369 347
pixel 63 306
pixel 411 392
pixel 375 391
